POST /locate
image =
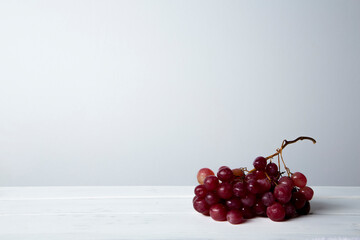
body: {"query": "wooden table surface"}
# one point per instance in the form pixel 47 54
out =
pixel 165 212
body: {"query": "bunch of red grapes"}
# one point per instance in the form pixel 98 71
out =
pixel 237 194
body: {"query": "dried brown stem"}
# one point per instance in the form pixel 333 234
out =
pixel 279 152
pixel 286 142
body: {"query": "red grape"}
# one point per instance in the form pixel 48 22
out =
pixel 225 174
pixel 247 212
pixel 275 212
pixel 260 163
pixel 264 185
pixel 290 210
pixel 222 167
pixel 305 209
pixel 201 206
pixel 200 191
pixel 272 169
pixel 225 190
pixel 298 199
pixel 203 173
pixel 253 186
pixel 299 179
pixel 282 193
pixel 287 181
pixel 250 176
pixel 235 217
pixel 240 189
pixel 259 208
pixel 218 212
pixel 234 203
pixel 248 200
pixel 212 198
pixel 259 174
pixel 308 192
pixel 268 199
pixel 211 182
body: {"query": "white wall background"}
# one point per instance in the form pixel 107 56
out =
pixel 148 92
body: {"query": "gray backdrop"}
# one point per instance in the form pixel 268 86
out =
pixel 148 92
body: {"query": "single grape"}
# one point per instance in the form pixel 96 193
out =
pixel 268 199
pixel 225 174
pixel 259 208
pixel 211 182
pixel 201 206
pixel 290 210
pixel 238 172
pixel 299 179
pixel 282 193
pixel 308 192
pixel 250 176
pixel 253 187
pixel 305 209
pixel 298 199
pixel 200 191
pixel 272 169
pixel 203 173
pixel 260 163
pixel 235 217
pixel 287 181
pixel 222 167
pixel 264 185
pixel 248 200
pixel 225 190
pixel 218 212
pixel 234 203
pixel 240 189
pixel 212 198
pixel 259 174
pixel 276 212
pixel 247 212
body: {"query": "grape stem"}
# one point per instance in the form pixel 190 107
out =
pixel 286 142
pixel 279 153
pixel 283 145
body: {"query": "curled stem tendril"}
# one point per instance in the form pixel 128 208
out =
pixel 283 145
pixel 279 152
pixel 286 142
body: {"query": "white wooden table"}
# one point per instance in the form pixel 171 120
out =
pixel 29 213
